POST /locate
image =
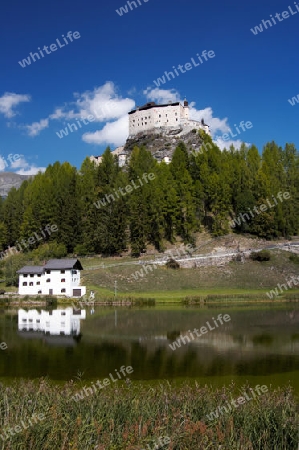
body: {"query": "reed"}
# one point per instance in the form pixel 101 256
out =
pixel 131 416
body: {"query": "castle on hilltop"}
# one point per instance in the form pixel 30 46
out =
pixel 156 117
pixel 169 122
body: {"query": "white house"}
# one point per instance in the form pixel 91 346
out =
pixel 57 277
pixel 57 322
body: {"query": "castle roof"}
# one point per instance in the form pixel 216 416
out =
pixel 153 105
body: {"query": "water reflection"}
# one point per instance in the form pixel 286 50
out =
pixel 59 323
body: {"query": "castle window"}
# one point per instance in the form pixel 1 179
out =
pixel 62 271
pixel 38 283
pixel 145 123
pixel 48 271
pixel 25 275
pixel 25 283
pixel 62 280
pixel 48 280
pixel 176 119
pixel 159 115
pixel 39 275
pixel 31 283
pixel 31 275
pixel 62 291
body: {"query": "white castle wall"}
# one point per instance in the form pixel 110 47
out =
pixel 166 116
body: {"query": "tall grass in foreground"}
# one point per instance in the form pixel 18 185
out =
pixel 130 416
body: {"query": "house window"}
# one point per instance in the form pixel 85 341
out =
pixel 31 275
pixel 30 320
pixel 62 291
pixel 24 320
pixel 63 313
pixel 39 275
pixel 62 280
pixel 39 292
pixel 48 271
pixel 37 283
pixel 25 283
pixel 31 283
pixel 48 280
pixel 37 320
pixel 62 271
pixel 74 272
pixel 159 115
pixel 25 275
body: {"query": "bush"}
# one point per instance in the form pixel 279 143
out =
pixel 263 255
pixel 294 258
pixel 172 264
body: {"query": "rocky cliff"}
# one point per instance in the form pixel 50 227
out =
pixel 163 141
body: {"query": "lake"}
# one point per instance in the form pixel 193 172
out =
pixel 260 344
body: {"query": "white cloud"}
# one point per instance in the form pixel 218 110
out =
pixel 2 163
pixel 114 133
pixel 24 167
pixel 32 170
pixel 36 127
pixel 162 95
pixel 103 103
pixel 9 101
pixel 226 144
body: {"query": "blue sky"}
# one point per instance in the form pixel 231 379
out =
pixel 111 67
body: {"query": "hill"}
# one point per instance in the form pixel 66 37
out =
pixel 8 180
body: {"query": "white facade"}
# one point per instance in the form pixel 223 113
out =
pixel 55 278
pixel 151 116
pixel 56 322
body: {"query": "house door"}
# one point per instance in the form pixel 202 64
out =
pixel 50 291
pixel 76 292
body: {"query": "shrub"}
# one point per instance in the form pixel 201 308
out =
pixel 294 258
pixel 172 264
pixel 263 255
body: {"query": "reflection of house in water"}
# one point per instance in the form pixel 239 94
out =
pixel 58 322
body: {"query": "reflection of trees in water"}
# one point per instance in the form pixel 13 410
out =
pixel 262 339
pixel 173 335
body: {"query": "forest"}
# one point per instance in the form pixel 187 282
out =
pixel 205 189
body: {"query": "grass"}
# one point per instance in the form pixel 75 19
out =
pixel 130 416
pixel 166 285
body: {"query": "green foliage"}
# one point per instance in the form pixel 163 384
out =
pixel 294 258
pixel 263 255
pixel 95 214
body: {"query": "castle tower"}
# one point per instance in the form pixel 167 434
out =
pixel 186 110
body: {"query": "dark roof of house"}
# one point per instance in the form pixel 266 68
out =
pixel 31 269
pixel 71 263
pixel 153 105
pixel 53 264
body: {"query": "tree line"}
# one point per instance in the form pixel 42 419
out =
pixel 204 189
